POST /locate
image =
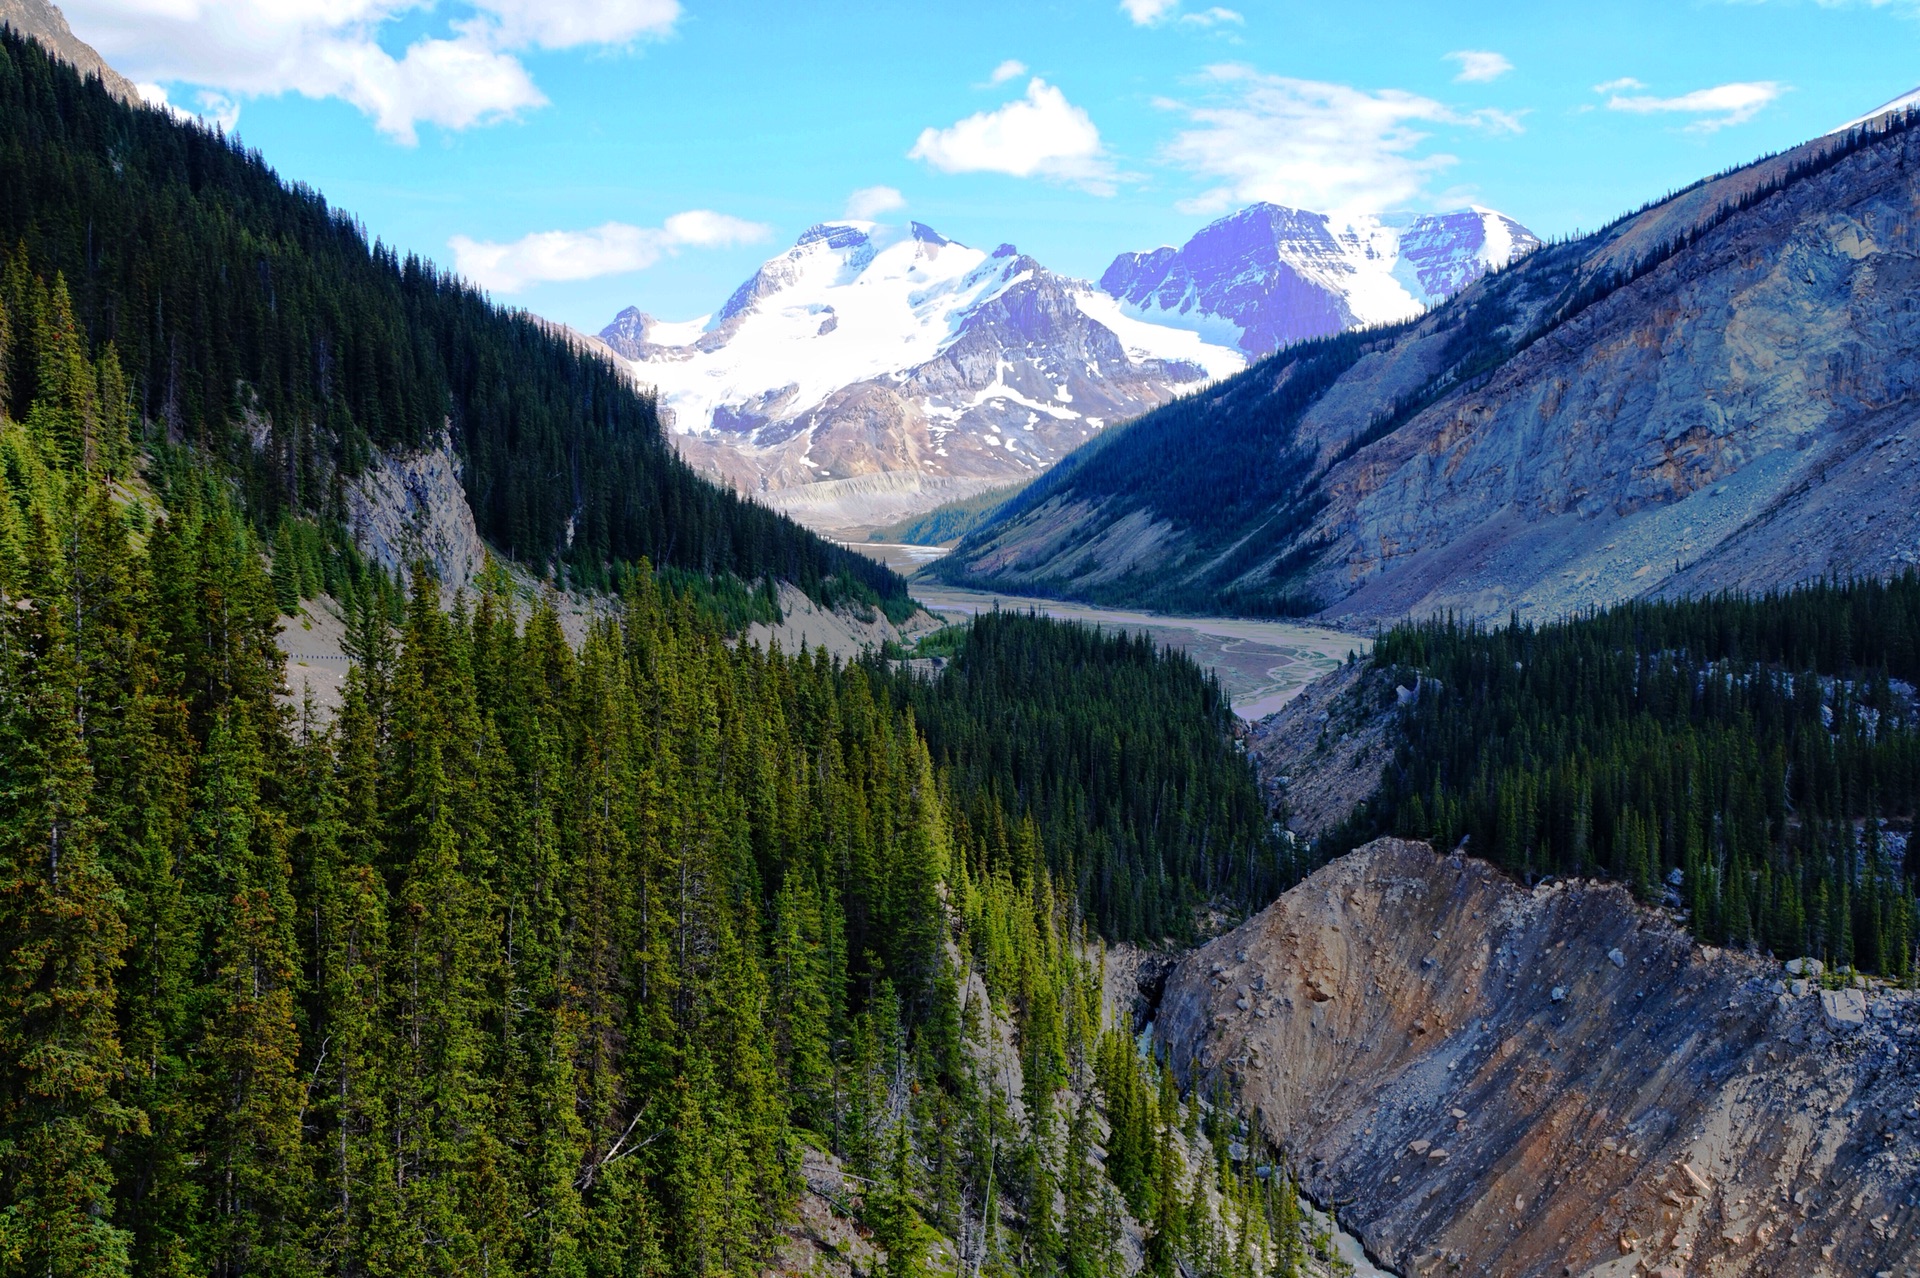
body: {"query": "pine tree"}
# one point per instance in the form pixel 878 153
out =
pixel 62 935
pixel 897 1227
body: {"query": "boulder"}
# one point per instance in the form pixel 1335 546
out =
pixel 1695 1181
pixel 1616 958
pixel 1844 1009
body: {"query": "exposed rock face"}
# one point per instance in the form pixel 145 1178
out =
pixel 1674 1110
pixel 45 23
pixel 1268 276
pixel 404 508
pixel 1744 414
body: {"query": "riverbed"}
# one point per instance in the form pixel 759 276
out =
pixel 1261 664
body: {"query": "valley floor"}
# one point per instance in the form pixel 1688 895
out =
pixel 1262 664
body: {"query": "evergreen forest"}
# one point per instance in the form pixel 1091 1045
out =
pixel 1753 760
pixel 1121 754
pixel 587 959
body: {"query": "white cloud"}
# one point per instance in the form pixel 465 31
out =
pixel 871 201
pixel 1479 66
pixel 702 228
pixel 1151 13
pixel 1214 17
pixel 452 83
pixel 1039 135
pixel 215 108
pixel 337 48
pixel 1310 144
pixel 1615 86
pixel 567 24
pixel 1011 69
pixel 610 249
pixel 1718 107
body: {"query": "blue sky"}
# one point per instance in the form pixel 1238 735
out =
pixel 656 151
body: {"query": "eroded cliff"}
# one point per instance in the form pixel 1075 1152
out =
pixel 1492 1079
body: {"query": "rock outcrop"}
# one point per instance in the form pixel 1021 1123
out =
pixel 1557 1081
pixel 1320 754
pixel 407 507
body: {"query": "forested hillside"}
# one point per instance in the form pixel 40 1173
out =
pixel 947 522
pixel 1759 758
pixel 536 960
pixel 1121 754
pixel 256 322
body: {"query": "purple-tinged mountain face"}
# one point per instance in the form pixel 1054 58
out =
pixel 1249 277
pixel 1269 276
pixel 1449 251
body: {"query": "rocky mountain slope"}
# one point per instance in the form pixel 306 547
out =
pixel 42 21
pixel 866 374
pixel 1269 276
pixel 1557 1081
pixel 1717 392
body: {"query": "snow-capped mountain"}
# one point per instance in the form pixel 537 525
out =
pixel 869 372
pixel 1269 276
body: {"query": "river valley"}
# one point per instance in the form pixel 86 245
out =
pixel 1262 664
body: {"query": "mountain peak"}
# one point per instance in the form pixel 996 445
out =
pixel 1267 275
pixel 871 372
pixel 1907 101
pixel 836 235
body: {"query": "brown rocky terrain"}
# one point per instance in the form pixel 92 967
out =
pixel 1718 392
pixel 1493 1079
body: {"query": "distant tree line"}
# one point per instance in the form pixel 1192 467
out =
pixel 1756 757
pixel 1121 753
pixel 947 522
